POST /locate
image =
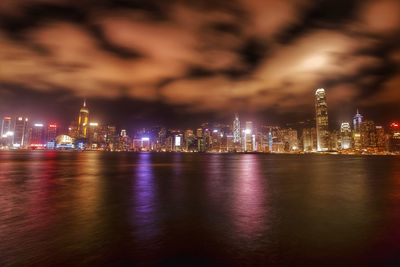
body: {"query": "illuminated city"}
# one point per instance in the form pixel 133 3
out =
pixel 363 136
pixel 204 133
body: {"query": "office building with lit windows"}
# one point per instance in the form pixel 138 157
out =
pixel 83 121
pixel 345 135
pixel 20 132
pixel 321 110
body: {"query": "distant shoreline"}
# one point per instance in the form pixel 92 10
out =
pixel 209 153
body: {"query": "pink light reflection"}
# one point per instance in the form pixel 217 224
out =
pixel 249 207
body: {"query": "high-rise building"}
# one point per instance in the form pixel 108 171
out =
pixel 6 126
pixel 248 137
pixel 368 134
pixel 236 129
pixel 357 120
pixel 20 132
pixel 52 132
pixel 83 121
pixel 189 139
pixel 321 110
pixel 345 135
pixel 309 139
pixel 394 137
pixel 381 140
pixel 37 138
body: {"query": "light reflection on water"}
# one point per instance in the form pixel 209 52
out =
pixel 61 208
pixel 250 210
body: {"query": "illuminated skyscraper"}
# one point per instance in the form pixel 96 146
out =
pixel 368 134
pixel 345 135
pixel 357 120
pixel 321 110
pixel 236 129
pixel 309 139
pixel 248 137
pixel 394 137
pixel 5 126
pixel 20 132
pixel 52 132
pixel 37 136
pixel 83 121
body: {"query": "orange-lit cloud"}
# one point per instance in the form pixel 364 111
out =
pixel 204 56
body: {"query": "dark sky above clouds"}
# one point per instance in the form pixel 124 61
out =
pixel 183 62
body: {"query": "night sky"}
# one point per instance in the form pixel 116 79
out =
pixel 180 63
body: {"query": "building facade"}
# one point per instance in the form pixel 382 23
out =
pixel 321 110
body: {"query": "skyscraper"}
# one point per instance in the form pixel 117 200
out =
pixel 357 120
pixel 20 131
pixel 309 139
pixel 321 110
pixel 394 137
pixel 5 126
pixel 345 135
pixel 248 139
pixel 236 129
pixel 52 131
pixel 37 138
pixel 83 121
pixel 368 134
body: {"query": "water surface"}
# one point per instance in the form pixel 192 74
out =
pixel 144 209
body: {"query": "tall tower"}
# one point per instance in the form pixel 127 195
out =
pixel 357 120
pixel 83 121
pixel 321 112
pixel 236 129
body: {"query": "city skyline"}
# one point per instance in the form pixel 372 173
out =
pixel 85 133
pixel 350 117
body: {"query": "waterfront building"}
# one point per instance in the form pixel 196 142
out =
pixel 309 138
pixel 394 137
pixel 321 110
pixel 52 132
pixel 236 129
pixel 357 121
pixel 190 140
pixel 83 121
pixel 381 139
pixel 248 137
pixel 368 135
pixel 37 136
pixel 7 133
pixel 6 126
pixel 288 137
pixel 20 132
pixel 200 140
pixel 345 135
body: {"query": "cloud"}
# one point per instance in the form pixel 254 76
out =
pixel 381 17
pixel 204 56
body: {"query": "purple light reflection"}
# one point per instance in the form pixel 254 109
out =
pixel 144 214
pixel 249 208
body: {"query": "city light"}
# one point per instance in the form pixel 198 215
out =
pixel 315 137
